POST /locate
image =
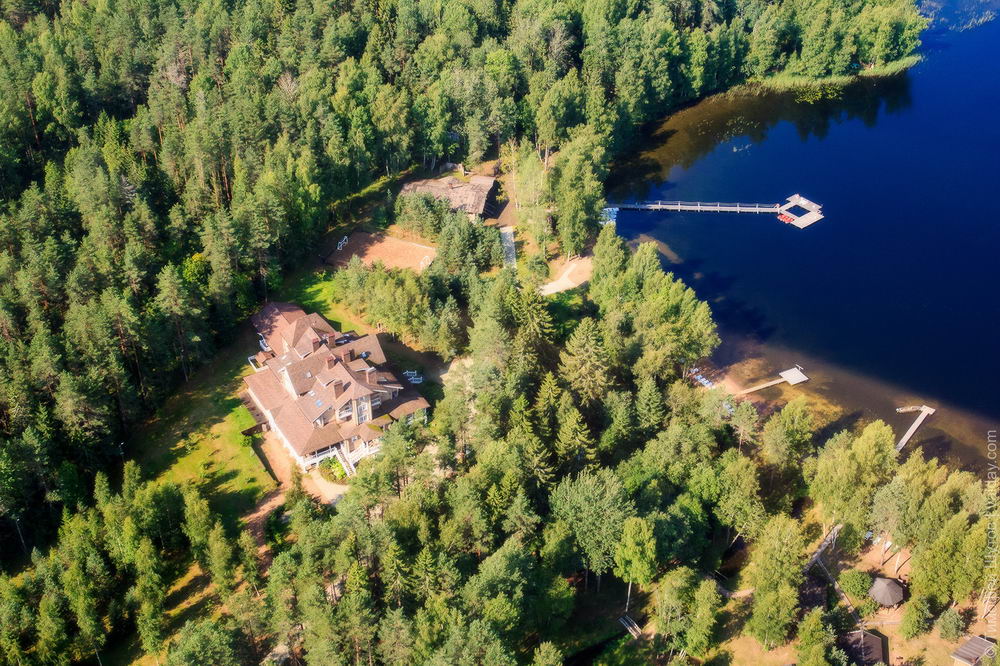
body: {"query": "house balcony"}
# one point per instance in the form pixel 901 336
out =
pixel 362 451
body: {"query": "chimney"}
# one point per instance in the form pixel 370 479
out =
pixel 338 387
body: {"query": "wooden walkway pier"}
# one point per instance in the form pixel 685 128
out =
pixel 924 410
pixel 797 210
pixel 793 376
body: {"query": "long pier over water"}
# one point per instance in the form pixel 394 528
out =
pixel 797 210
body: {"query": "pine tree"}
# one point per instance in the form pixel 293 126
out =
pixel 533 317
pixel 649 407
pixel 546 407
pixel 574 445
pixel 583 362
pixel 395 638
pixel 610 258
pixel 149 593
pixel 247 553
pixel 356 614
pixel 394 573
pixel 547 654
pixel 181 314
pixel 220 560
pixel 53 638
pixel 424 574
pixel 538 463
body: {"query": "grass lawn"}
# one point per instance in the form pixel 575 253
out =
pixel 195 437
pixel 567 308
pixel 313 289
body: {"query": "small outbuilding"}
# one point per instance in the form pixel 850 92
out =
pixel 865 648
pixel 475 196
pixel 886 591
pixel 972 651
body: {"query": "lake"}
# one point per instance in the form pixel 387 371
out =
pixel 890 300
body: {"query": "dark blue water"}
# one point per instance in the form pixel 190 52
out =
pixel 900 281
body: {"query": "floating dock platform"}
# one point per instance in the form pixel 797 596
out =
pixel 797 210
pixel 813 211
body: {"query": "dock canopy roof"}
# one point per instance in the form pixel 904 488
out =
pixel 972 651
pixel 886 591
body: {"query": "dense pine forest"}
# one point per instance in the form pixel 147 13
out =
pixel 163 165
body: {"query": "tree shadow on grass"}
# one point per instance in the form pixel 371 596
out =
pixel 198 609
pixel 228 503
pixel 190 413
pixel 724 658
pixel 188 589
pixel 732 619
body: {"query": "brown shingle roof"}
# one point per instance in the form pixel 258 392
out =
pixel 864 647
pixel 471 196
pixel 267 389
pixel 273 319
pixel 355 348
pixel 301 385
pixel 886 591
pixel 972 651
pixel 407 402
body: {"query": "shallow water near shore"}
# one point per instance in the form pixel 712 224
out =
pixel 891 300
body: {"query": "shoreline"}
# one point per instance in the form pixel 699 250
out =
pixel 791 82
pixel 845 399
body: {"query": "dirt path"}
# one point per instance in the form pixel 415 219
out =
pixel 258 518
pixel 577 271
pixel 281 466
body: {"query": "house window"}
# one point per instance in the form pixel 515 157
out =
pixel 363 413
pixel 345 412
pixel 376 401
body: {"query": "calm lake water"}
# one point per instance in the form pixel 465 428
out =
pixel 893 298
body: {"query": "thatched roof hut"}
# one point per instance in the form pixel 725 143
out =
pixel 886 591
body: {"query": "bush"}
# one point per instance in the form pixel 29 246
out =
pixel 331 470
pixel 868 607
pixel 950 625
pixel 916 618
pixel 856 583
pixel 276 529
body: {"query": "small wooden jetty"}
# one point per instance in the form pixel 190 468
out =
pixel 924 410
pixel 793 376
pixel 797 210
